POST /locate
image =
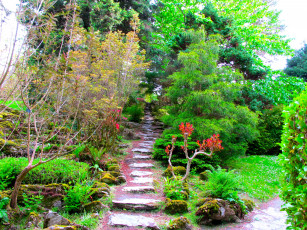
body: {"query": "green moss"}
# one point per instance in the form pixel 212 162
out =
pixel 115 173
pixel 100 185
pixel 204 175
pixel 108 179
pixel 176 206
pixel 62 227
pixel 249 204
pixel 7 142
pixel 208 209
pixel 179 171
pixel 114 168
pixel 180 223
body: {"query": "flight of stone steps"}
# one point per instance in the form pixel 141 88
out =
pixel 136 204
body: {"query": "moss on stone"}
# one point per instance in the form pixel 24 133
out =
pixel 209 208
pixel 114 168
pixel 176 206
pixel 98 184
pixel 108 179
pixel 181 223
pixel 178 171
pixel 204 175
pixel 249 204
pixel 62 227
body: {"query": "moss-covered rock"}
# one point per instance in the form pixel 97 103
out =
pixel 181 223
pixel 176 206
pixel 94 206
pixel 114 168
pixel 178 171
pixel 111 163
pixel 33 220
pixel 98 193
pixel 250 205
pixel 108 179
pixel 217 211
pixel 115 173
pixel 98 184
pixel 204 175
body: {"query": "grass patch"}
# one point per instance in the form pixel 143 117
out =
pixel 259 175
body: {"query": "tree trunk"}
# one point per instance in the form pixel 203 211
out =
pixel 17 185
pixel 188 169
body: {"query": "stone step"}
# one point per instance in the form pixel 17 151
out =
pixel 142 180
pixel 132 220
pixel 141 157
pixel 139 189
pixel 141 165
pixel 136 204
pixel 140 173
pixel 142 150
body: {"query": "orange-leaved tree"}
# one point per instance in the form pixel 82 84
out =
pixel 206 147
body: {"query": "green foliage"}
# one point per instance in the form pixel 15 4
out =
pixel 32 202
pixel 259 176
pixel 175 189
pixel 3 213
pixel 280 90
pixel 270 129
pixel 17 105
pixel 135 113
pixel 76 197
pixel 67 171
pixel 297 65
pixel 222 184
pixel 79 148
pixel 178 159
pixel 96 154
pixel 293 160
pixel 205 95
pixel 9 170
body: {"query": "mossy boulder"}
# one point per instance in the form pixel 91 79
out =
pixel 176 206
pixel 250 205
pixel 217 211
pixel 114 168
pixel 110 163
pixel 178 171
pixel 94 206
pixel 181 223
pixel 108 179
pixel 33 220
pixel 98 193
pixel 204 175
pixel 98 184
pixel 115 173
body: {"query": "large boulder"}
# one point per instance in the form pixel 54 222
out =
pixel 53 218
pixel 215 211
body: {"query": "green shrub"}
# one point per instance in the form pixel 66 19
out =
pixel 76 197
pixel 178 159
pixel 270 129
pixel 221 184
pixel 9 170
pixel 175 189
pixel 78 149
pixel 293 160
pixel 56 171
pixel 135 113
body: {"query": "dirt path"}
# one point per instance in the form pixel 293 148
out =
pixel 137 204
pixel 265 217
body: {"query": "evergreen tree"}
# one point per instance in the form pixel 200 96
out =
pixel 297 65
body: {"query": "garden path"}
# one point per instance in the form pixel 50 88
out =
pixel 137 204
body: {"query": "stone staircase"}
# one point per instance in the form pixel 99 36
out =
pixel 136 205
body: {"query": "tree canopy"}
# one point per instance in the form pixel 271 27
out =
pixel 297 65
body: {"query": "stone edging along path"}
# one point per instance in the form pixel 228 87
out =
pixel 137 204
